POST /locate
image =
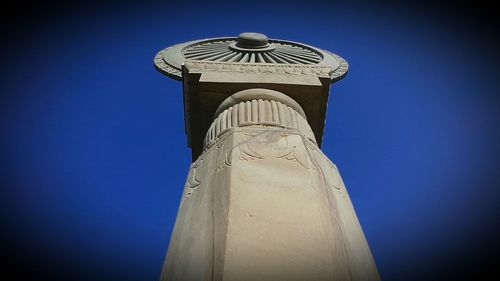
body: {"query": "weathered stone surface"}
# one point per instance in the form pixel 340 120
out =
pixel 251 48
pixel 213 69
pixel 262 202
pixel 206 87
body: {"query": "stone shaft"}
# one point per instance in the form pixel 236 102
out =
pixel 262 202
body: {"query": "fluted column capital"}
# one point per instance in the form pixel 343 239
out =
pixel 259 94
pixel 258 107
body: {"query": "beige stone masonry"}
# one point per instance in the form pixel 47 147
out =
pixel 263 203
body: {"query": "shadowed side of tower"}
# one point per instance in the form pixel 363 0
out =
pixel 261 201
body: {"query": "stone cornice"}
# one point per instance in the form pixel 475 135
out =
pixel 321 71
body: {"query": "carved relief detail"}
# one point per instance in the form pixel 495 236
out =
pixel 257 112
pixel 226 55
pixel 193 181
pixel 332 177
pixel 268 144
pixel 164 67
pixel 325 167
pixel 276 68
pixel 341 71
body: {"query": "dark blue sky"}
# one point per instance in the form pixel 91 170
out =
pixel 94 157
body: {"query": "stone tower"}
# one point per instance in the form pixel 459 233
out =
pixel 261 200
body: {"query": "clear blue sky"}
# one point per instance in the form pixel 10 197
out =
pixel 93 153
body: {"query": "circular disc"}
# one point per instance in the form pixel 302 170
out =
pixel 248 47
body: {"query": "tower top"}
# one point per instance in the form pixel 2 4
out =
pixel 248 47
pixel 214 69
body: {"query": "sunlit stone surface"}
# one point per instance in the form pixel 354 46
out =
pixel 261 201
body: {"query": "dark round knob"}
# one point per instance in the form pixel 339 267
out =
pixel 252 40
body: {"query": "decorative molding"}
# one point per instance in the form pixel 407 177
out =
pixel 231 50
pixel 193 181
pixel 165 68
pixel 268 144
pixel 341 71
pixel 259 68
pixel 262 142
pixel 325 167
pixel 258 112
pixel 250 50
pixel 332 177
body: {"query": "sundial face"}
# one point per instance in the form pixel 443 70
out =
pixel 248 47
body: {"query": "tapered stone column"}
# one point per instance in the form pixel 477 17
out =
pixel 261 201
